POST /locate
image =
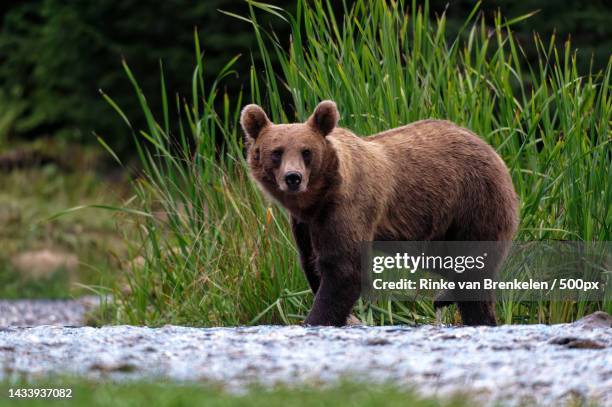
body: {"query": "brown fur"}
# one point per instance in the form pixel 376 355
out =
pixel 429 180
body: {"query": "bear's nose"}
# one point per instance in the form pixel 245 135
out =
pixel 293 180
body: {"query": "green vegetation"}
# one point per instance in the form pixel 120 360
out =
pixel 221 254
pixel 81 247
pixel 167 394
pixel 55 285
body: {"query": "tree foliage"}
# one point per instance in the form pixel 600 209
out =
pixel 56 55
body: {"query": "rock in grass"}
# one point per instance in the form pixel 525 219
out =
pixel 44 262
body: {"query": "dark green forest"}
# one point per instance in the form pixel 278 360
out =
pixel 56 55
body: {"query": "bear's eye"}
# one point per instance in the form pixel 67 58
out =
pixel 306 155
pixel 276 155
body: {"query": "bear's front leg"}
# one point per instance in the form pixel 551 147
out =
pixel 339 290
pixel 301 235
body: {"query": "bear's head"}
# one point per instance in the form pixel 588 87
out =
pixel 288 159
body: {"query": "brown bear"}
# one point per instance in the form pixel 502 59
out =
pixel 429 180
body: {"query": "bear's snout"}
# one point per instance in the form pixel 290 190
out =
pixel 293 180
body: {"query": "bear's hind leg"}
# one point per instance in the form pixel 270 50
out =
pixel 477 312
pixel 477 307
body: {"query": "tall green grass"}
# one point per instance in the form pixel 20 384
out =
pixel 211 250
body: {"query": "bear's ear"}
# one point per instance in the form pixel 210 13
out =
pixel 325 117
pixel 253 120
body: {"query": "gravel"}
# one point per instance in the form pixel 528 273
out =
pixel 511 364
pixel 46 312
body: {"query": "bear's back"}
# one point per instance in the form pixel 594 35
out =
pixel 438 144
pixel 431 174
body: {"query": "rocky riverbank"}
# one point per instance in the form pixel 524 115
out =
pixel 508 364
